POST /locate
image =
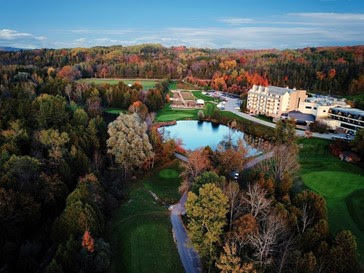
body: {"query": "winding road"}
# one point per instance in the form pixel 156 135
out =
pixel 189 257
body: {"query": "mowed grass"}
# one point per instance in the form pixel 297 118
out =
pixel 140 231
pixel 169 114
pixel 165 182
pixel 147 84
pixel 199 95
pixel 341 184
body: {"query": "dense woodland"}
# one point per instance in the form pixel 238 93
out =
pixel 336 69
pixel 64 163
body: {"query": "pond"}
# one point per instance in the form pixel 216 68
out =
pixel 195 134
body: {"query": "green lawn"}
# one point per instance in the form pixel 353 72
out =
pixel 199 95
pixel 147 84
pixel 140 231
pixel 339 182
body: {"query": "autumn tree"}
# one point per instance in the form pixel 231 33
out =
pixel 197 163
pixel 231 158
pixel 128 142
pixel 206 213
pixel 139 108
pixel 230 262
pixel 54 141
pixel 88 242
pixel 232 191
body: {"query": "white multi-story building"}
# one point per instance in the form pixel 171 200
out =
pixel 319 106
pixel 274 101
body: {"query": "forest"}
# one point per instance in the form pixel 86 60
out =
pixel 65 163
pixel 334 70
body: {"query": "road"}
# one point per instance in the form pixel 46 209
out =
pixel 189 257
pixel 229 106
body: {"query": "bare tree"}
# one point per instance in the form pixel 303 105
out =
pixel 255 201
pixel 284 161
pixel 266 241
pixel 232 191
pixel 305 219
pixel 287 248
pixel 68 91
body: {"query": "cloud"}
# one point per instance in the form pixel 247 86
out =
pixel 8 34
pixel 330 16
pixel 14 38
pixel 235 21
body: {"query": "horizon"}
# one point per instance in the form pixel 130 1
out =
pixel 206 24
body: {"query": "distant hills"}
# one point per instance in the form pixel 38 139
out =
pixel 8 48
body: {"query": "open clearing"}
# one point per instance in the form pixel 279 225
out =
pixel 147 84
pixel 339 182
pixel 140 231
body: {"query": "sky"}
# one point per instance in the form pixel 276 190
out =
pixel 248 24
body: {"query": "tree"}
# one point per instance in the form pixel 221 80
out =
pixel 128 142
pixel 197 163
pixel 206 213
pixel 243 226
pixel 255 202
pixel 231 158
pixel 283 162
pixel 139 108
pixel 232 191
pixel 54 141
pixel 80 117
pixel 88 242
pixel 205 178
pixel 285 132
pixel 68 91
pixel 265 241
pixel 344 253
pixel 50 111
pixel 230 262
pixel 358 142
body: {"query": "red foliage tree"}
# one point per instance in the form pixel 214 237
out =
pixel 88 242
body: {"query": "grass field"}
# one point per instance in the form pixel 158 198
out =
pixel 140 231
pixel 339 182
pixel 168 114
pixel 147 84
pixel 199 95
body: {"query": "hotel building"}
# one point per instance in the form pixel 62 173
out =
pixel 274 101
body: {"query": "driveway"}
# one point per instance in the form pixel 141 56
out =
pixel 229 106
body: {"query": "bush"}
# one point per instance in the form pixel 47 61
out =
pixel 319 127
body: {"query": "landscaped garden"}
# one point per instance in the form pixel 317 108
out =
pixel 341 183
pixel 141 232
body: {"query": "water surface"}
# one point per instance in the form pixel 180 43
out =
pixel 195 134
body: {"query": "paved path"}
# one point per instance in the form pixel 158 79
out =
pixel 189 257
pixel 229 106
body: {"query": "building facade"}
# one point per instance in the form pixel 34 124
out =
pixel 319 106
pixel 274 101
pixel 348 120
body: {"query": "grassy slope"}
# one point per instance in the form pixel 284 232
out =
pixel 339 183
pixel 146 83
pixel 140 231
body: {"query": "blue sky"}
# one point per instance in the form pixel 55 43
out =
pixel 215 24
